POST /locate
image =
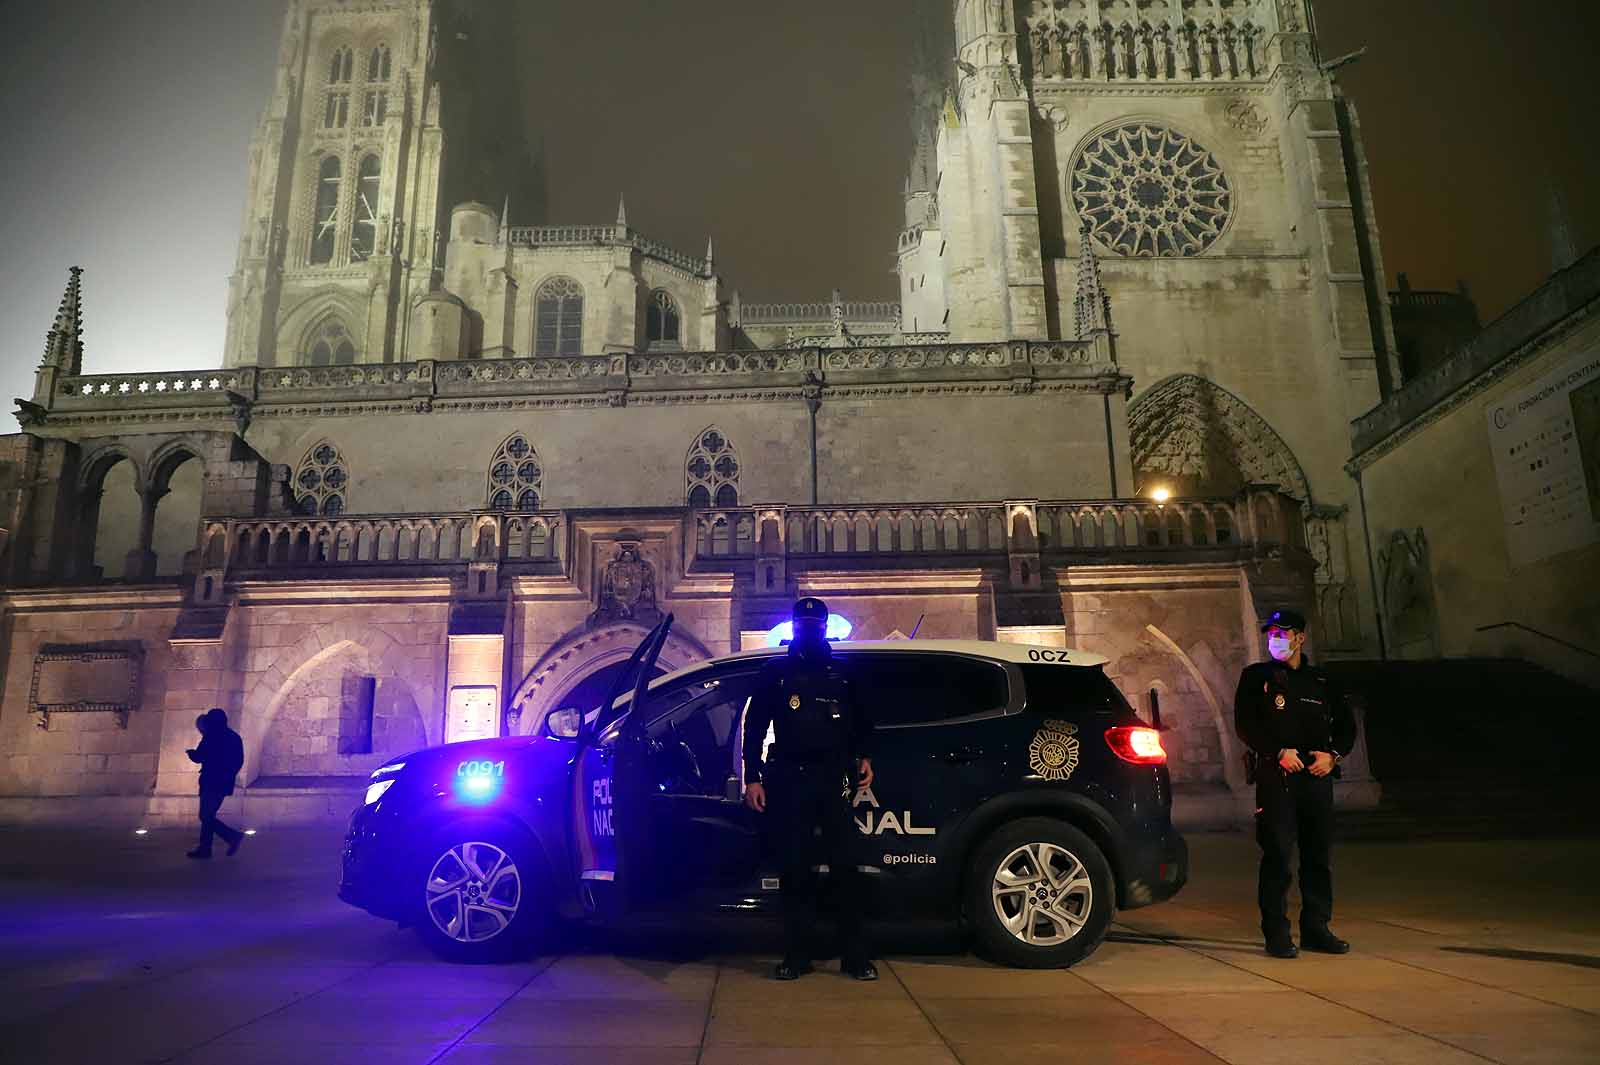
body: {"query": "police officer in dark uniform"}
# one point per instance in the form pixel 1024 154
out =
pixel 1297 727
pixel 819 757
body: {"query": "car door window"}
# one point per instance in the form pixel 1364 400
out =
pixel 691 745
pixel 904 690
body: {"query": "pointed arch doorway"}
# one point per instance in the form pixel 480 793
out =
pixel 578 671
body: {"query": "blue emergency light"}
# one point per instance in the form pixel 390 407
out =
pixel 839 628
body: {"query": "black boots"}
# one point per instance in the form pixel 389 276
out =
pixel 1282 947
pixel 1323 941
pixel 789 969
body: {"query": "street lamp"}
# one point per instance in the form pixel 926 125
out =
pixel 1161 495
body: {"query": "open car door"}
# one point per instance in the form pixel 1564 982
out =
pixel 595 805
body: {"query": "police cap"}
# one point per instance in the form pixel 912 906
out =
pixel 811 609
pixel 1284 619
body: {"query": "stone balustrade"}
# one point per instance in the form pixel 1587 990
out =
pixel 780 313
pixel 292 545
pixel 419 384
pixel 1255 519
pixel 544 236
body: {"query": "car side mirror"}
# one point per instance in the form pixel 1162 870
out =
pixel 563 724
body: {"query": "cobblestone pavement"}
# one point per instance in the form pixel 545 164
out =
pixel 119 950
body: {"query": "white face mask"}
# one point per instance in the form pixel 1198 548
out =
pixel 1278 647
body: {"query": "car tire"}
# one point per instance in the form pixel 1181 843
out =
pixel 1040 894
pixel 478 893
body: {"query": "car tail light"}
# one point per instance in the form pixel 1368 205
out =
pixel 1136 744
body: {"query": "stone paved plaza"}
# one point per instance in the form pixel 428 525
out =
pixel 119 950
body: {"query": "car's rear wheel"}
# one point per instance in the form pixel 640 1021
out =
pixel 478 888
pixel 1039 894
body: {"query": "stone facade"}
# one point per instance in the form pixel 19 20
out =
pixel 451 468
pixel 1450 580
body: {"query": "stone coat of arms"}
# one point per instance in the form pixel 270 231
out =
pixel 627 587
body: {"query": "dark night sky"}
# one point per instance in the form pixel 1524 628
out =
pixel 780 129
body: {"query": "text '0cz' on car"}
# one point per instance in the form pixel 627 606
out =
pixel 1015 790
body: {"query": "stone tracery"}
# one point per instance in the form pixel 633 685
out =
pixel 516 476
pixel 322 481
pixel 1201 439
pixel 1148 190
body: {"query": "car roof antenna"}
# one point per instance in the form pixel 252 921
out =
pixel 917 626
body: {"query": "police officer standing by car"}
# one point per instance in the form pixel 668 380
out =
pixel 819 757
pixel 1297 727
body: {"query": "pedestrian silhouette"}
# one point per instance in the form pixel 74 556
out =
pixel 221 755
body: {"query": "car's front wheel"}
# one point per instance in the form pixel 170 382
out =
pixel 478 890
pixel 1039 894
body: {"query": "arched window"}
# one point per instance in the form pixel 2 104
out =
pixel 378 64
pixel 337 115
pixel 559 328
pixel 341 67
pixel 364 219
pixel 516 477
pixel 322 483
pixel 330 345
pixel 661 320
pixel 712 471
pixel 325 218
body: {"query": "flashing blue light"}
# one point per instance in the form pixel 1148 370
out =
pixel 839 628
pixel 477 789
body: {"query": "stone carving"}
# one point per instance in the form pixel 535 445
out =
pixel 1405 575
pixel 87 678
pixel 628 587
pixel 1246 117
pixel 1203 440
pixel 1149 191
pixel 1056 115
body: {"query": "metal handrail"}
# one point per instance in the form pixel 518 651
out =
pixel 1569 645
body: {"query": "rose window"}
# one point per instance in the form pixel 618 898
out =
pixel 516 479
pixel 712 472
pixel 1144 190
pixel 321 482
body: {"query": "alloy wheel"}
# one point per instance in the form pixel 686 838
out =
pixel 473 892
pixel 1042 894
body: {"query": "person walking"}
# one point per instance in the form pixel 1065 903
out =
pixel 220 754
pixel 1297 726
pixel 820 755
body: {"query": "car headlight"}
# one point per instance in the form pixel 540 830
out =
pixel 376 789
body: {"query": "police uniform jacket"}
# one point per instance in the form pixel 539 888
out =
pixel 1278 708
pixel 811 705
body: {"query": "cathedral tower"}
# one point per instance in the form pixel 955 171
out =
pixel 382 117
pixel 1206 154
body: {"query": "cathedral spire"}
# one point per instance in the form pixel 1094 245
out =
pixel 622 211
pixel 505 222
pixel 63 345
pixel 711 257
pixel 1091 309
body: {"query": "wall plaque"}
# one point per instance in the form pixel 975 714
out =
pixel 87 678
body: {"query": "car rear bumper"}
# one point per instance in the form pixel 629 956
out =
pixel 1155 869
pixel 369 873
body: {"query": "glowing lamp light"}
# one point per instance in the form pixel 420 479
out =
pixel 1161 495
pixel 249 831
pixel 839 628
pixel 141 832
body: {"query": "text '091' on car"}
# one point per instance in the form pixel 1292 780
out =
pixel 1015 790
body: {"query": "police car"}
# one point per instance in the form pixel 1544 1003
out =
pixel 1015 789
